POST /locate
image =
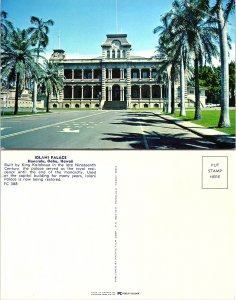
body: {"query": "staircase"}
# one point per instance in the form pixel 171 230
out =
pixel 116 105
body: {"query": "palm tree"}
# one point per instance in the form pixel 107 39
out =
pixel 6 26
pixel 18 60
pixel 50 82
pixel 195 36
pixel 169 51
pixel 219 16
pixel 222 17
pixel 40 40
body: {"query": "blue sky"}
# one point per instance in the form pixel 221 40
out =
pixel 83 24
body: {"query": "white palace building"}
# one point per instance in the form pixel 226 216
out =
pixel 116 80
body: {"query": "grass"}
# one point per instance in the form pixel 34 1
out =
pixel 39 111
pixel 145 108
pixel 96 108
pixel 20 113
pixel 210 119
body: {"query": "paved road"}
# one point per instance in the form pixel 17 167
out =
pixel 97 130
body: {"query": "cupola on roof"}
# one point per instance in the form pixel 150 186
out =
pixel 121 38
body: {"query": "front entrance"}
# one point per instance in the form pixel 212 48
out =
pixel 116 93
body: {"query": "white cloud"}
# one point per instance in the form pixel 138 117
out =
pixel 80 56
pixel 216 62
pixel 232 52
pixel 144 53
pixel 73 55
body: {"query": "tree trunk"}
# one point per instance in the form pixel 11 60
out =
pixel 47 103
pixel 172 91
pixel 169 95
pixel 34 110
pixel 182 86
pixel 224 120
pixel 198 114
pixel 35 96
pixel 164 99
pixel 17 93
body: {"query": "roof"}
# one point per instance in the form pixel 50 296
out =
pixel 122 38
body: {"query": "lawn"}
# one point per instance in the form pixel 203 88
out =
pixel 39 111
pixel 20 113
pixel 55 109
pixel 210 119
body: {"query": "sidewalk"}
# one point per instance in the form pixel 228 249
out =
pixel 222 139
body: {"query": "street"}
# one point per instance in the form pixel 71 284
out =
pixel 95 129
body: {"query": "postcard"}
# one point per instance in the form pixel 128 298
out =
pixel 117 151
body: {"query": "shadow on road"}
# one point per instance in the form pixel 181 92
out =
pixel 153 140
pixel 138 122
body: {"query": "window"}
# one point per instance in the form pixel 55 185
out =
pixel 68 73
pixel 144 74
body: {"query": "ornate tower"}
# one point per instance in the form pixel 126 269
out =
pixel 116 49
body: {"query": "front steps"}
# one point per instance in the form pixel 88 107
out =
pixel 116 105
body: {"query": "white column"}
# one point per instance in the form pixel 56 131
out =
pixel 103 85
pixel 128 87
pixel 140 92
pixel 82 73
pixel 109 93
pixel 92 91
pixel 151 92
pixel 160 90
pixel 121 73
pixel 73 74
pixel 150 75
pixel 140 73
pixel 82 92
pixel 104 54
pixel 72 92
pixel 92 73
pixel 61 72
pixel 122 93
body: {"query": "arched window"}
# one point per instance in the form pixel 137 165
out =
pixel 118 53
pixel 108 54
pixel 113 54
pixel 135 91
pixel 124 54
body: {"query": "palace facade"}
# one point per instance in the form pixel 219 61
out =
pixel 116 80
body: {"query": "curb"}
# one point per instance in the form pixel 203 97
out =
pixel 223 139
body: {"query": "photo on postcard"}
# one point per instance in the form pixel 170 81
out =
pixel 84 82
